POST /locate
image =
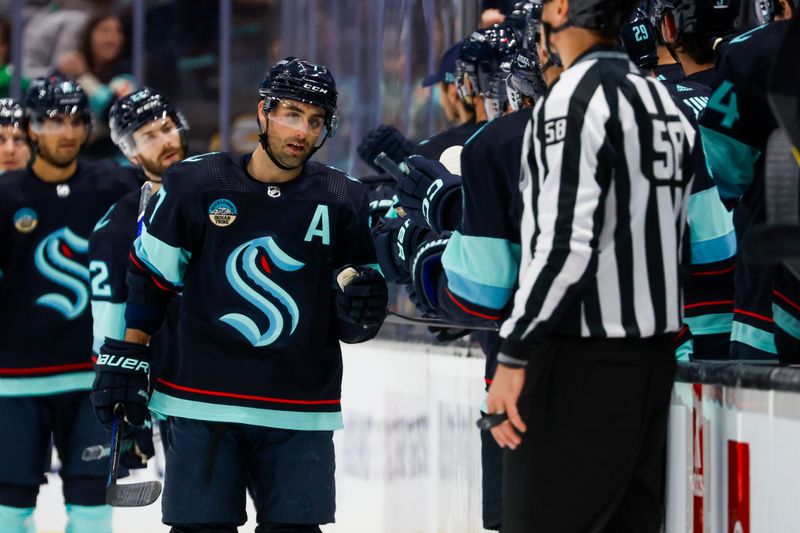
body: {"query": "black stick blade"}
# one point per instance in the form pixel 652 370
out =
pixel 133 494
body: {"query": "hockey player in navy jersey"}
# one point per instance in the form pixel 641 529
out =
pixel 690 28
pixel 272 256
pixel 151 132
pixel 481 258
pixel 47 212
pixel 668 67
pixel 479 58
pixel 735 127
pixel 14 149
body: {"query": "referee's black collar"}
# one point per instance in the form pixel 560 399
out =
pixel 602 51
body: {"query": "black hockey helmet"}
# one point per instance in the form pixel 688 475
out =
pixel 712 18
pixel 296 79
pixel 525 80
pixel 139 109
pixel 12 114
pixel 600 14
pixel 639 39
pixel 481 56
pixel 518 18
pixel 497 95
pixel 55 95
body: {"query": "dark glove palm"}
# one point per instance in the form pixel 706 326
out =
pixel 426 190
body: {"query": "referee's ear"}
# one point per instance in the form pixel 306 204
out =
pixel 559 13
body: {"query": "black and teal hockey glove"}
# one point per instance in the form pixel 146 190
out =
pixel 426 269
pixel 386 139
pixel 141 446
pixel 396 240
pixel 122 378
pixel 362 297
pixel 430 194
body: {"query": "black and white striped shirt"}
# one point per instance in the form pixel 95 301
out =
pixel 606 179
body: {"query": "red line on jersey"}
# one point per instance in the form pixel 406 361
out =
pixel 785 299
pixel 136 262
pixel 44 369
pixel 715 272
pixel 701 304
pixel 152 277
pixel 247 396
pixel 468 311
pixel 754 315
pixel 681 333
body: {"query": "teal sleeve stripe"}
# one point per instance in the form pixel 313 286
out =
pixel 478 132
pixel 167 261
pixel 482 270
pixel 17 519
pixel 714 250
pixel 786 321
pixel 754 337
pixel 684 351
pixel 86 518
pixel 48 385
pixel 710 324
pixel 166 405
pixel 708 217
pixel 100 99
pixel 730 162
pixel 108 321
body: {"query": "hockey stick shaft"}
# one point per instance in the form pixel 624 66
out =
pixel 397 318
pixel 389 166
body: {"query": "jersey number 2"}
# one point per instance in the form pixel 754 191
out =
pixel 99 273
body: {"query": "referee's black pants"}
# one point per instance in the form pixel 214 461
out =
pixel 593 458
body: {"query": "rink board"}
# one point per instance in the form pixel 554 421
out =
pixel 408 460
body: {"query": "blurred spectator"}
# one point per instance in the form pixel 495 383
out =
pixel 101 68
pixel 6 69
pixel 53 28
pixel 15 151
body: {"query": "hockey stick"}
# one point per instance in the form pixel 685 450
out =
pixel 100 451
pixel 132 494
pixel 397 318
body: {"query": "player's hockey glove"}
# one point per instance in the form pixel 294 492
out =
pixel 362 297
pixel 396 241
pixel 122 377
pixel 426 268
pixel 430 194
pixel 386 139
pixel 141 445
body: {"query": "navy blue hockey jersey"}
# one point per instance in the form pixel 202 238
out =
pixel 481 260
pixel 735 128
pixel 109 249
pixel 45 322
pixel 671 72
pixel 258 338
pixel 446 146
pixel 708 294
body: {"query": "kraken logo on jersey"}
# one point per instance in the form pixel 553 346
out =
pixel 54 258
pixel 254 259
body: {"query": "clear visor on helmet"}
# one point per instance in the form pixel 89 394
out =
pixel 57 122
pixel 515 98
pixel 158 138
pixel 304 119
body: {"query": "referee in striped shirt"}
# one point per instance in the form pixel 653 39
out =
pixel 587 361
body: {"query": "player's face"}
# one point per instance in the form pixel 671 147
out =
pixel 446 102
pixel 158 145
pixel 60 139
pixel 14 150
pixel 294 129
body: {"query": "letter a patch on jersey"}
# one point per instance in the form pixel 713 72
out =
pixel 320 226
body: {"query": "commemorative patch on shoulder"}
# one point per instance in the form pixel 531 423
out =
pixel 26 220
pixel 222 212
